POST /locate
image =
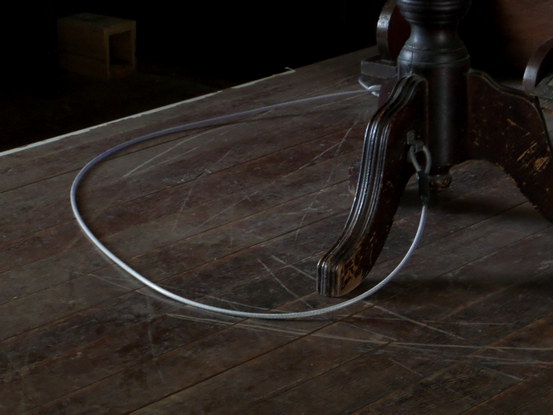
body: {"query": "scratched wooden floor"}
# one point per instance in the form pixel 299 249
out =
pixel 236 215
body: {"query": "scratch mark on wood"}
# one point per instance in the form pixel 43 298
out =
pixel 528 152
pixel 184 203
pixel 150 160
pixel 204 319
pixel 514 124
pixel 508 375
pixel 291 266
pixel 288 290
pixel 405 367
pixel 357 327
pixel 240 324
pixel 429 349
pixel 512 361
pixel 338 147
pixel 468 323
pixel 229 207
pixel 238 303
pixel 247 325
pixel 178 144
pixel 410 320
pixel 304 216
pixel 209 170
pixel 309 163
pixel 116 281
pixel 473 347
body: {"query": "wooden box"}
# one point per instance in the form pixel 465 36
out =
pixel 96 45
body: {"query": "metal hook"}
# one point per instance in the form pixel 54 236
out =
pixel 417 146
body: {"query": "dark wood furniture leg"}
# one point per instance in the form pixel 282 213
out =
pixel 459 114
pixel 383 176
pixel 506 127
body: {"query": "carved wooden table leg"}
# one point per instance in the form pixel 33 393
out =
pixel 507 128
pixel 435 109
pixel 384 174
pixel 458 114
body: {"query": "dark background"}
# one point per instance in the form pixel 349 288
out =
pixel 183 49
pixel 236 40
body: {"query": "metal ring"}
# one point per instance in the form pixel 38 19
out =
pixel 413 159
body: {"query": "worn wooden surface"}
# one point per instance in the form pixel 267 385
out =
pixel 238 215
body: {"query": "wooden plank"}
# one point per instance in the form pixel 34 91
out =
pixel 177 262
pixel 37 215
pixel 413 353
pixel 535 398
pixel 50 242
pixel 252 384
pixel 290 171
pixel 188 365
pixel 478 322
pixel 192 160
pixel 466 324
pixel 324 77
pixel 377 328
pixel 468 182
pixel 200 360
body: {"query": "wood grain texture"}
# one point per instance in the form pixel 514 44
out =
pixel 237 216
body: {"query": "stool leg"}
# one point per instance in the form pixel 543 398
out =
pixel 506 127
pixel 383 176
